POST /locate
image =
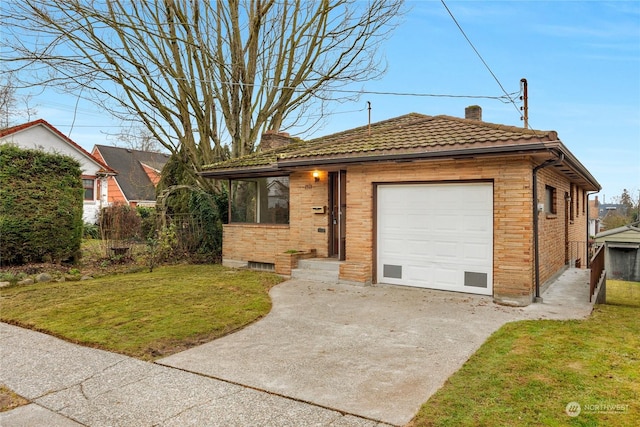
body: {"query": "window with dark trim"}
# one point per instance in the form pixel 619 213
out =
pixel 89 188
pixel 550 200
pixel 260 200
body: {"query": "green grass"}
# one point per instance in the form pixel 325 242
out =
pixel 620 292
pixel 145 315
pixel 527 372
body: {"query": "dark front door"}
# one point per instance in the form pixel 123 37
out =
pixel 338 217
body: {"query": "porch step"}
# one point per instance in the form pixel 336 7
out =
pixel 326 270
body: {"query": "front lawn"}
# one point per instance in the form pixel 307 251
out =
pixel 145 315
pixel 620 292
pixel 528 372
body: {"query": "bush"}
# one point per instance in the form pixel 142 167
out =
pixel 148 222
pixel 41 201
pixel 205 211
pixel 120 225
pixel 90 231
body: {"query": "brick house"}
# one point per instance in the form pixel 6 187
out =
pixel 138 174
pixel 429 201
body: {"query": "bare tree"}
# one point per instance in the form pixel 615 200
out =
pixel 12 105
pixel 137 138
pixel 198 74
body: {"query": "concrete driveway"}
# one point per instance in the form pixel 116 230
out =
pixel 377 352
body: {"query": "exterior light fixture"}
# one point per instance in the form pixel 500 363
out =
pixel 316 176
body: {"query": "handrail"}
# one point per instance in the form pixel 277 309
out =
pixel 597 271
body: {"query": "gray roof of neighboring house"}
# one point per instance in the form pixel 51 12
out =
pixel 606 208
pixel 132 179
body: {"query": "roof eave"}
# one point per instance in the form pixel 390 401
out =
pixel 577 167
pixel 242 172
pixel 454 154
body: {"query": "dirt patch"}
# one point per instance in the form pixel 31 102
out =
pixel 10 400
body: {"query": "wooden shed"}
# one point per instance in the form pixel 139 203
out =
pixel 622 252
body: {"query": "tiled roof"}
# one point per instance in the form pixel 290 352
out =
pixel 132 178
pixel 411 133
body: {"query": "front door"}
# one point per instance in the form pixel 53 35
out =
pixel 338 214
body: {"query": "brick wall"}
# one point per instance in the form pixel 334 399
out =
pixel 513 271
pixel 513 234
pixel 254 242
pixel 561 239
pixel 261 242
pixel 304 194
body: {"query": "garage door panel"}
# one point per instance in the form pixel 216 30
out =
pixel 416 221
pixel 436 236
pixel 446 276
pixel 476 251
pixel 394 247
pixel 476 223
pixel 445 222
pixel 419 246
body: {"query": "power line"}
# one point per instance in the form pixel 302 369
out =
pixel 480 56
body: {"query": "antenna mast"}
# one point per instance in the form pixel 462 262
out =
pixel 525 98
pixel 369 108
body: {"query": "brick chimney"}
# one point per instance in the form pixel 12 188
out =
pixel 273 139
pixel 473 112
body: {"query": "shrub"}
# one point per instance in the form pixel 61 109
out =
pixel 41 201
pixel 148 222
pixel 90 231
pixel 119 228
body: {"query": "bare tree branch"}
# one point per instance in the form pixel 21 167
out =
pixel 199 75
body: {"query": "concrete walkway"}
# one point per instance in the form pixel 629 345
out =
pixel 326 355
pixel 378 352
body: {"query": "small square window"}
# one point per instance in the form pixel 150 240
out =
pixel 550 200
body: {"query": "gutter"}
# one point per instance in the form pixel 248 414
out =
pixel 536 244
pixel 457 154
pixel 286 164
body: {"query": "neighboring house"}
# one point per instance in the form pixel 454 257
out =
pixel 42 136
pixel 429 201
pixel 605 209
pixel 138 174
pixel 594 217
pixel 622 252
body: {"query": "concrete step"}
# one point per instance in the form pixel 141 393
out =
pixel 324 264
pixel 324 270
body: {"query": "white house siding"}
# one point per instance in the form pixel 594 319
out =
pixel 40 137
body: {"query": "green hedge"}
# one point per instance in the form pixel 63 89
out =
pixel 41 198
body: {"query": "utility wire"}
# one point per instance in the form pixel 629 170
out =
pixel 480 56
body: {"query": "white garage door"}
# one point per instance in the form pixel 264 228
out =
pixel 437 236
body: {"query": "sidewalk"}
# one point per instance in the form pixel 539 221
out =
pixel 71 385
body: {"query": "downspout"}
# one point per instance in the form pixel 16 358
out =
pixel 536 255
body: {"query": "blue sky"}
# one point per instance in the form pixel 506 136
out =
pixel 581 59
